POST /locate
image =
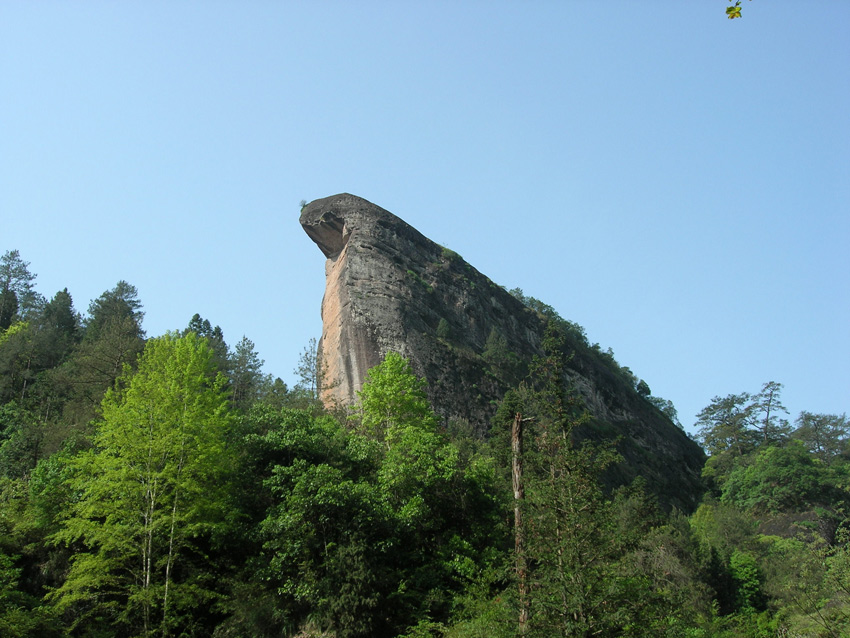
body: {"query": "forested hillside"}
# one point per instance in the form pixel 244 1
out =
pixel 162 485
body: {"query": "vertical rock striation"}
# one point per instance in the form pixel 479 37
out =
pixel 390 288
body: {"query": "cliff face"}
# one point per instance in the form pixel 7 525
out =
pixel 389 288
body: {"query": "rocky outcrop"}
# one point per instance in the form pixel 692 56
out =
pixel 389 288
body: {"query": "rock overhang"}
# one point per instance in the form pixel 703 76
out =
pixel 331 221
pixel 324 221
pixel 329 233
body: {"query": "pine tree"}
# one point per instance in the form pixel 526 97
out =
pixel 246 376
pixel 570 542
pixel 16 288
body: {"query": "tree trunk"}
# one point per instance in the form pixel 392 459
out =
pixel 519 540
pixel 171 535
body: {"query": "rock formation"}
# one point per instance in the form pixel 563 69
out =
pixel 389 288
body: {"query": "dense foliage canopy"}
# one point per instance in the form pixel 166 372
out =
pixel 166 487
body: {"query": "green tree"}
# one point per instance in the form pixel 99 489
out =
pixel 574 546
pixel 766 406
pixel 573 540
pixel 377 527
pixel 668 554
pixel 808 581
pixel 499 356
pixel 16 288
pixel 731 428
pixel 310 371
pixel 666 406
pixel 55 336
pixel 59 324
pixel 721 529
pixel 747 578
pixel 203 328
pixel 21 615
pixel 444 330
pixel 439 499
pixel 112 339
pixel 18 361
pixel 114 306
pixel 724 425
pixel 96 364
pixel 824 435
pixel 28 349
pixel 780 479
pixel 724 431
pixel 274 392
pixel 246 374
pixel 149 492
pixel 8 308
pixel 326 535
pixel 21 442
pixel 393 399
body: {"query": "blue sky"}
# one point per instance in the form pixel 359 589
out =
pixel 676 182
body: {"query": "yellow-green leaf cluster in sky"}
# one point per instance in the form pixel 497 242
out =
pixel 734 11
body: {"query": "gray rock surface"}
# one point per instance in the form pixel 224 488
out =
pixel 390 288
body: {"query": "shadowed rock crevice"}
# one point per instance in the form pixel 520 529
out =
pixel 390 288
pixel 330 235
